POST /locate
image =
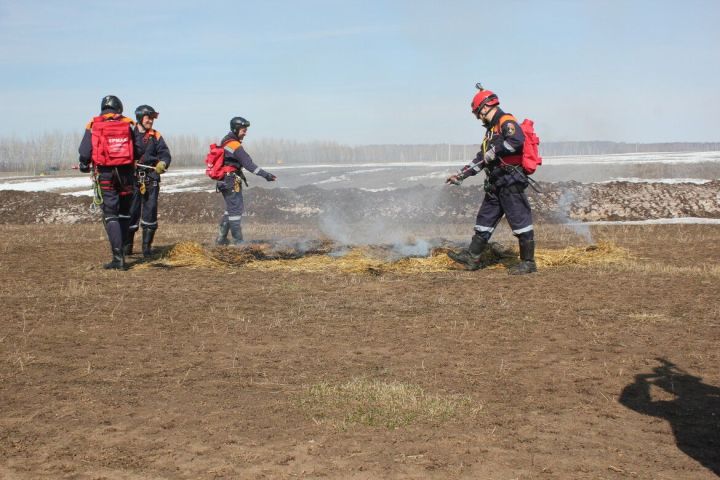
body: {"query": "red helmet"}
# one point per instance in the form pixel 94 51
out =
pixel 482 98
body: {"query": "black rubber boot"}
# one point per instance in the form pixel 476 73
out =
pixel 470 257
pixel 223 233
pixel 118 260
pixel 527 259
pixel 236 230
pixel 128 246
pixel 148 236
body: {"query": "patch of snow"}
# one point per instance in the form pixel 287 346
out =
pixel 634 158
pixel 697 181
pixel 383 189
pixel 41 184
pixel 443 174
pixel 339 178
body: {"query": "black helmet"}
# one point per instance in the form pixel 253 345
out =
pixel 143 110
pixel 111 102
pixel 237 123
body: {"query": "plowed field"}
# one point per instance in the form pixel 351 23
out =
pixel 589 372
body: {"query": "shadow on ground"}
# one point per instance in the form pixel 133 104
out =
pixel 694 413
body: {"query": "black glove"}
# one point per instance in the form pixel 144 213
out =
pixel 84 167
pixel 270 177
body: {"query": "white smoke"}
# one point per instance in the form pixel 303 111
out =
pixel 562 214
pixel 341 227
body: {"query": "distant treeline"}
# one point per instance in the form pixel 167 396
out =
pixel 55 152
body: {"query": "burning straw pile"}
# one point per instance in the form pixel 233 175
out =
pixel 326 256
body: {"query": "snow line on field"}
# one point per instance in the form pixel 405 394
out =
pixel 653 221
pixel 696 181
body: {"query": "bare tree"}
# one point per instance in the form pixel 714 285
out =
pixel 57 151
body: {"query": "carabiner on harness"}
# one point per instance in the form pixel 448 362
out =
pixel 97 191
pixel 142 176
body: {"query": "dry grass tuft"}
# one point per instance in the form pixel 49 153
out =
pixel 185 254
pixel 318 257
pixel 360 260
pixel 373 403
pixel 602 253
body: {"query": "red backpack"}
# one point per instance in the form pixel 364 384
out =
pixel 530 158
pixel 215 163
pixel 112 142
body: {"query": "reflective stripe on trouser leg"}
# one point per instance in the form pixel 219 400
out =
pixel 488 215
pixel 520 231
pixel 150 206
pixel 148 225
pixel 517 211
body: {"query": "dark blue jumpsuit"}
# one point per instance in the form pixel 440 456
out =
pixel 505 184
pixel 116 186
pixel 152 149
pixel 231 185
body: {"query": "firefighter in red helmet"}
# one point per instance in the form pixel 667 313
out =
pixel 499 157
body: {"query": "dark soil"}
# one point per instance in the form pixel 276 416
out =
pixel 558 203
pixel 199 373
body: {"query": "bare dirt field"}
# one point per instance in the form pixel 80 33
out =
pixel 594 372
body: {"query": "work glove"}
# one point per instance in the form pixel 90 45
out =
pixel 161 167
pixel 84 167
pixel 454 179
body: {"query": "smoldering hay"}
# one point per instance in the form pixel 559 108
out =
pixel 328 256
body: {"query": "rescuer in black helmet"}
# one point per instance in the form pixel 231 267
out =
pixel 234 160
pixel 111 103
pixel 237 123
pixel 154 159
pixel 114 166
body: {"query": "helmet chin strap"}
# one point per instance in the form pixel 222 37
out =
pixel 486 119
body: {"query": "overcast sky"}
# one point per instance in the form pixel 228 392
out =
pixel 367 72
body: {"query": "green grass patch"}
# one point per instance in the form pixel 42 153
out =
pixel 374 403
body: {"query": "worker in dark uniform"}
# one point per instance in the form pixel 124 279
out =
pixel 500 157
pixel 108 147
pixel 235 160
pixel 154 159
